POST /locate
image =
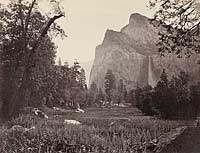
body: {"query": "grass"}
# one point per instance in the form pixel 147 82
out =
pixel 130 132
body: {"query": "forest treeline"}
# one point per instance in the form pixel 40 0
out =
pixel 173 97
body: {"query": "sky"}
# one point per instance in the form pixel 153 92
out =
pixel 86 22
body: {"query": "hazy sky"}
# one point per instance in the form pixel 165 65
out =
pixel 86 22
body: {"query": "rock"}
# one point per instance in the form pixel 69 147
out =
pixel 87 67
pixel 56 108
pixel 133 56
pixel 30 129
pixel 59 109
pixel 74 122
pixel 39 113
pixel 78 110
pixel 120 105
pixel 19 128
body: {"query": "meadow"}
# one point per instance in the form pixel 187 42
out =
pixel 102 130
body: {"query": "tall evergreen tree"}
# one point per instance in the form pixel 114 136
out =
pixel 109 85
pixel 82 79
pixel 120 91
pixel 92 93
pixel 75 87
pixel 161 98
pixel 75 70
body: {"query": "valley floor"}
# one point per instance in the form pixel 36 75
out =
pixel 110 130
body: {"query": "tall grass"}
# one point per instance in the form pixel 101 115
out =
pixel 95 135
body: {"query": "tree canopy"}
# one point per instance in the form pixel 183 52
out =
pixel 27 52
pixel 180 20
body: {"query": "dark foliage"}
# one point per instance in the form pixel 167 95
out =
pixel 27 55
pixel 180 21
pixel 67 86
pixel 109 85
pixel 170 99
pixel 144 99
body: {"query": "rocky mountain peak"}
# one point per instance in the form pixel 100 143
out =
pixel 132 55
pixel 109 36
pixel 141 30
pixel 137 18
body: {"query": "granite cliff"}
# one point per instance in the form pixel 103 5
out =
pixel 133 56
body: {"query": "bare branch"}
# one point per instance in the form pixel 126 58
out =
pixel 51 21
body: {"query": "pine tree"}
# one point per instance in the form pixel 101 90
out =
pixel 92 93
pixel 82 79
pixel 109 85
pixel 161 98
pixel 163 82
pixel 120 92
pixel 75 71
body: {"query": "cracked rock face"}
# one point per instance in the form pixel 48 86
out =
pixel 132 55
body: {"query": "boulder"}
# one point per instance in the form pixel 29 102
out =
pixel 39 113
pixel 78 110
pixel 73 122
pixel 19 128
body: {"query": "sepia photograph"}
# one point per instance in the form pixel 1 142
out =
pixel 99 76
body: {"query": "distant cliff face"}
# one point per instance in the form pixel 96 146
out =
pixel 87 67
pixel 133 56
